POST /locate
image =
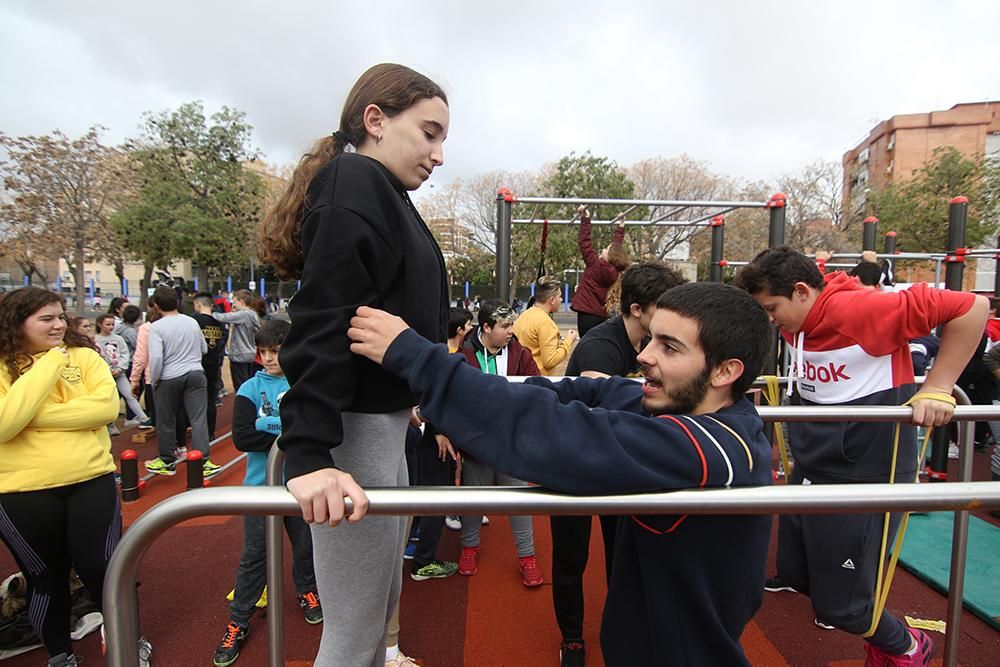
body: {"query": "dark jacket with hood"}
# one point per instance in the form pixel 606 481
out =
pixel 519 359
pixel 364 244
pixel 683 587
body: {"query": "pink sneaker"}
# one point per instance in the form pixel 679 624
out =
pixel 876 657
pixel 468 561
pixel 531 576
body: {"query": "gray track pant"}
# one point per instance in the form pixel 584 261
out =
pixel 359 566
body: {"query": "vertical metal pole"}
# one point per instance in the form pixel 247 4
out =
pixel 996 270
pixel 505 202
pixel 718 225
pixel 957 219
pixel 959 541
pixel 274 554
pixel 869 233
pixel 775 238
pixel 776 228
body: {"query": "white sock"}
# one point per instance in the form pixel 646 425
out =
pixel 913 649
pixel 391 652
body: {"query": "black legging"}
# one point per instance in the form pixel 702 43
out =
pixel 570 553
pixel 49 531
pixel 586 321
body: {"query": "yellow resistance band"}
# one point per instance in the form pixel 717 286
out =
pixel 882 587
pixel 772 393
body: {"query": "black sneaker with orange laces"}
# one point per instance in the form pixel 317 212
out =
pixel 229 648
pixel 311 608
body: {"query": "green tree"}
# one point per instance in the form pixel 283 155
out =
pixel 216 201
pixel 917 208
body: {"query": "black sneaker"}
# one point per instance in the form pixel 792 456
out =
pixel 229 649
pixel 572 654
pixel 776 585
pixel 311 608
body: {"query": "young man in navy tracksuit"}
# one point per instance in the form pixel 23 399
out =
pixel 683 588
pixel 851 347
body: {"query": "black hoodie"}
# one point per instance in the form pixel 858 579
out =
pixel 364 244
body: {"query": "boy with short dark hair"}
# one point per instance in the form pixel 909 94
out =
pixel 215 338
pixel 256 425
pixel 683 587
pixel 851 347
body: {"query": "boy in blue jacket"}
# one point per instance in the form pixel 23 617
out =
pixel 256 425
pixel 683 587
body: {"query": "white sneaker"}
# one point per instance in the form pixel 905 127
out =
pixel 132 423
pixel 453 522
pixel 953 451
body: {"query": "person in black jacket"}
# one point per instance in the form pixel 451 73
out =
pixel 683 587
pixel 347 228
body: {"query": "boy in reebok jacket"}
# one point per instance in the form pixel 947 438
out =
pixel 851 347
pixel 683 588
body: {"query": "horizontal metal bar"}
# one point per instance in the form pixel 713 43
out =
pixel 715 214
pixel 628 223
pixel 636 202
pixel 433 501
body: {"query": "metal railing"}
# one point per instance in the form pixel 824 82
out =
pixel 121 608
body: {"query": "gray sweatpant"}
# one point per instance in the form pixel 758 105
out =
pixel 359 566
pixel 475 473
pixel 187 393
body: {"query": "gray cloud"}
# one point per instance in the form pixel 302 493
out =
pixel 755 89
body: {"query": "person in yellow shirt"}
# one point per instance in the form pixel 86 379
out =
pixel 58 499
pixel 537 331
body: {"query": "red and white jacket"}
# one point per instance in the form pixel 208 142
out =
pixel 853 349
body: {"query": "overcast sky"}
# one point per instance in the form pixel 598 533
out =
pixel 756 89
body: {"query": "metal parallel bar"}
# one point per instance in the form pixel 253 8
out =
pixel 275 565
pixel 669 214
pixel 628 223
pixel 636 202
pixel 709 216
pixel 959 550
pixel 123 569
pixel 122 620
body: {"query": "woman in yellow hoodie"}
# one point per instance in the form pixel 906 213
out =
pixel 58 500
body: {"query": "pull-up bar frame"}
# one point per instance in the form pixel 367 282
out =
pixel 505 221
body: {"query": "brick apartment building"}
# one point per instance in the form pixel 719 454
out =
pixel 896 147
pixel 452 237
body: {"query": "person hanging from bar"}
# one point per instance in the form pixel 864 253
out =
pixel 851 347
pixel 683 588
pixel 601 272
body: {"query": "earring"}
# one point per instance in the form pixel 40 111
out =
pixel 378 139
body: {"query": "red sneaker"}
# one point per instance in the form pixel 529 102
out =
pixel 530 574
pixel 876 657
pixel 468 561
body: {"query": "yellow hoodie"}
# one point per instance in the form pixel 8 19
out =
pixel 53 421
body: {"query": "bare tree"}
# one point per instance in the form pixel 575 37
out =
pixel 64 189
pixel 814 218
pixel 679 178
